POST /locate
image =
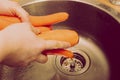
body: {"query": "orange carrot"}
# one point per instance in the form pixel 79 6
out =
pixel 39 21
pixel 61 35
pixel 48 19
pixel 63 52
pixel 35 20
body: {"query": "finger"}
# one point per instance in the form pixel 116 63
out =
pixel 36 30
pixel 42 29
pixel 54 44
pixel 12 8
pixel 22 14
pixel 42 58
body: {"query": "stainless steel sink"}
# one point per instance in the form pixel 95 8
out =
pixel 96 54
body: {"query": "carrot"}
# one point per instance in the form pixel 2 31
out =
pixel 63 52
pixel 46 33
pixel 49 19
pixel 35 20
pixel 61 35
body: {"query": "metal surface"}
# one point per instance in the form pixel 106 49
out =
pixel 77 65
pixel 99 30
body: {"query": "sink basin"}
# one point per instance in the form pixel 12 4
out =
pixel 97 53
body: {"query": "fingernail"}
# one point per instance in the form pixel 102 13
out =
pixel 42 58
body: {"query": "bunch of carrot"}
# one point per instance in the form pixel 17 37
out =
pixel 46 32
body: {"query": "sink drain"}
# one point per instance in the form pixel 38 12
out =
pixel 73 66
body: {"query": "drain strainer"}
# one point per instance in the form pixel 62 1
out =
pixel 73 66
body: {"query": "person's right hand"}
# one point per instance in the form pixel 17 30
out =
pixel 11 8
pixel 20 45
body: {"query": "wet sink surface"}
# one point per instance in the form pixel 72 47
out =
pixel 99 40
pixel 91 23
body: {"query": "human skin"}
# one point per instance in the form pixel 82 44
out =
pixel 19 44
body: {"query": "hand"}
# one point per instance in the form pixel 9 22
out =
pixel 10 8
pixel 21 46
pixel 18 43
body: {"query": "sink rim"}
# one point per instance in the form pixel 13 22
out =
pixel 95 4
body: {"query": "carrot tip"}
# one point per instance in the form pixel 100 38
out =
pixel 65 53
